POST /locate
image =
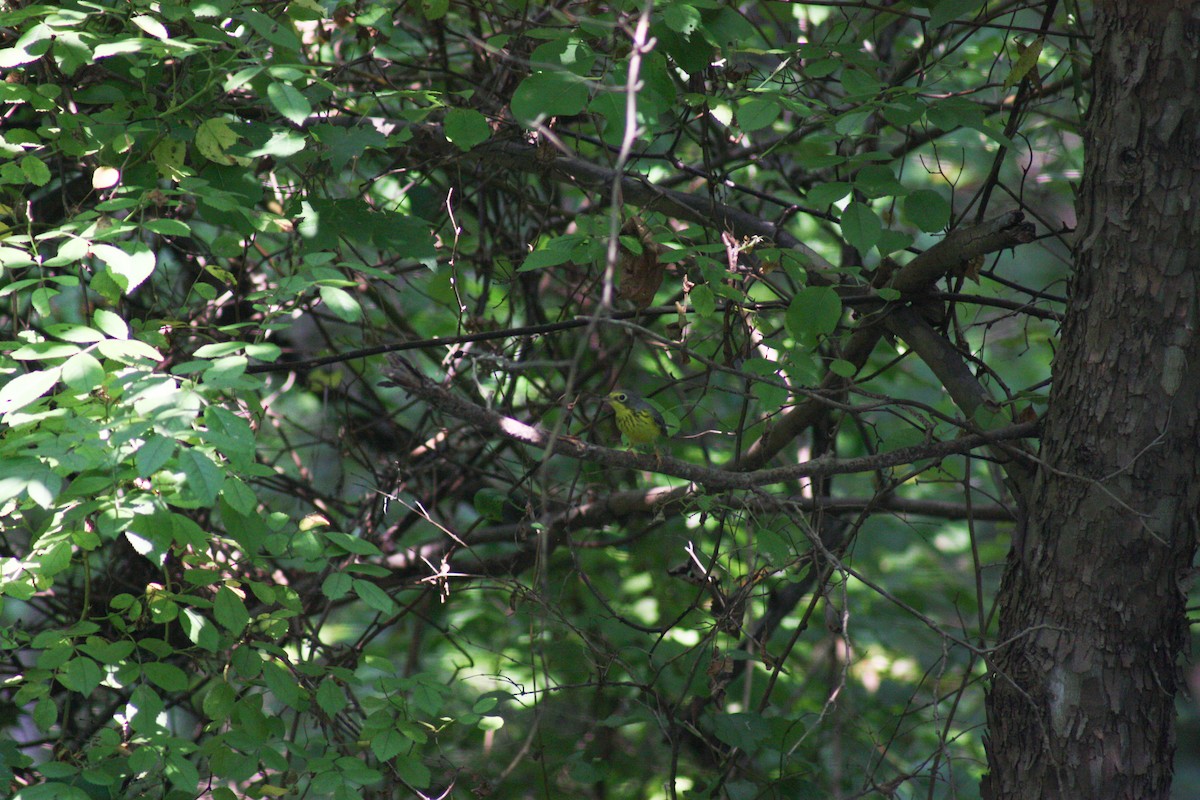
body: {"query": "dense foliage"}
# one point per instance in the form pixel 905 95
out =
pixel 307 485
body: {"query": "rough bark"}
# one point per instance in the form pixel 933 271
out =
pixel 1082 696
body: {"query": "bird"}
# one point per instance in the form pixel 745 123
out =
pixel 638 420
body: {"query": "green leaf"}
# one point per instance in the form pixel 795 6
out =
pixel 264 351
pixel 682 18
pixel 341 303
pixel 336 585
pixel 540 259
pixel 330 697
pixel 45 714
pixel 568 52
pixel 283 685
pixel 224 373
pixel 859 84
pixel 388 744
pixel 989 416
pixel 151 26
pixel 814 311
pixel 199 630
pixel 43 351
pixel 691 52
pixel 954 112
pixel 548 94
pixel 82 372
pixel 876 180
pixel 151 538
pixel 230 612
pixel 289 102
pixel 950 10
pixel 412 770
pixel 743 730
pixel 484 704
pixel 25 389
pixel 853 123
pixel 167 677
pixel 434 9
pixel 352 544
pixel 111 324
pixel 168 227
pixel 230 434
pixel 127 351
pixel 32 45
pixel 82 675
pixel 246 662
pixel 54 790
pixel 373 596
pixel 489 503
pixel 758 113
pixel 238 495
pixel 769 394
pixel 861 226
pixel 703 300
pixel 903 110
pixel 824 194
pixel 80 334
pixel 153 454
pixel 181 772
pixel 108 653
pixel 203 477
pixel 218 701
pixel 36 171
pixel 927 209
pixel 283 36
pixel 345 144
pixel 428 694
pixel 128 269
pixel 891 241
pixel 842 368
pixel 466 127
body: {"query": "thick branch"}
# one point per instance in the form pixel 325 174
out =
pixel 960 245
pixel 963 244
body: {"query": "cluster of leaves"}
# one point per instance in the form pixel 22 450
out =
pixel 237 561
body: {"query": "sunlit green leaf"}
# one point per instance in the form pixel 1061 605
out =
pixel 289 102
pixel 25 389
pixel 229 611
pixel 341 303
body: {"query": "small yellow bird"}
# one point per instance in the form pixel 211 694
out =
pixel 638 420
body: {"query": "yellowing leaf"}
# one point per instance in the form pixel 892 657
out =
pixel 212 139
pixel 168 157
pixel 1027 61
pixel 314 520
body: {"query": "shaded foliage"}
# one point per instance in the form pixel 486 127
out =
pixel 305 480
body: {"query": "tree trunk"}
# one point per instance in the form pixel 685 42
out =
pixel 1082 695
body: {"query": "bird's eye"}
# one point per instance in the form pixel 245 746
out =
pixel 622 397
